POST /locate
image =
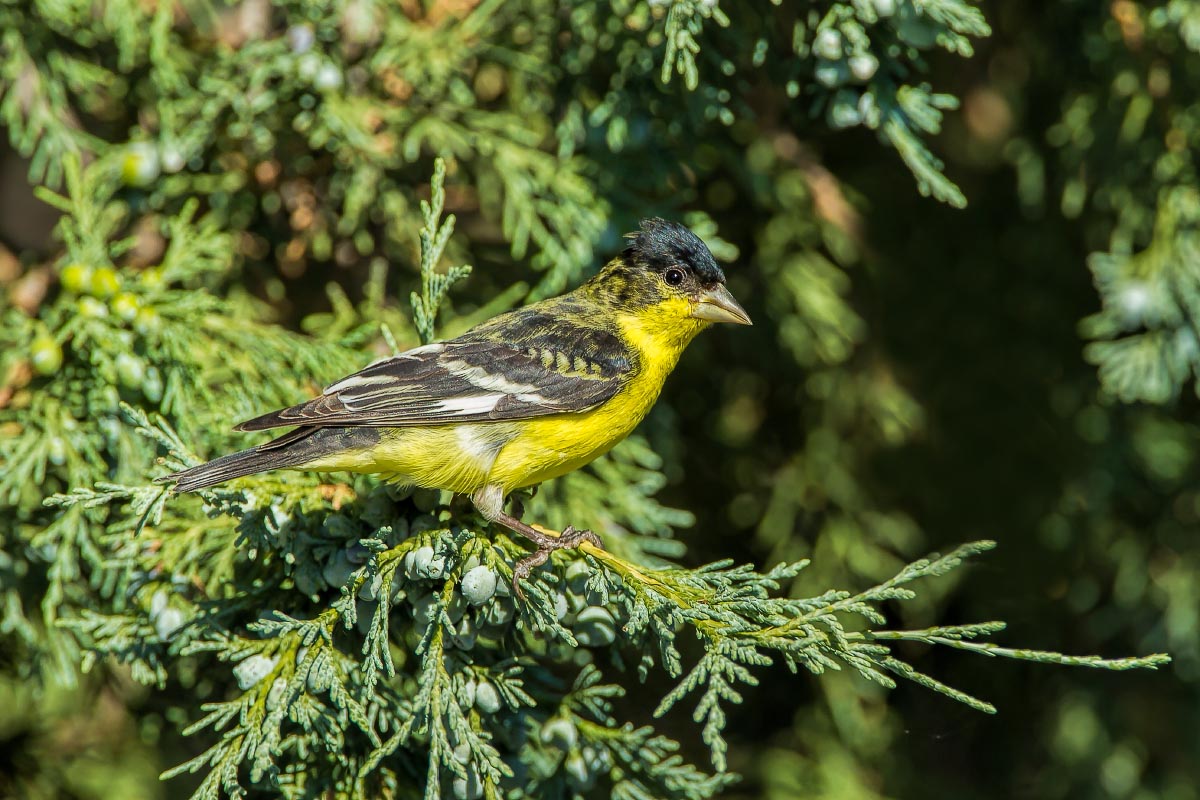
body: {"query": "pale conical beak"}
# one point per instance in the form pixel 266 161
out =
pixel 717 305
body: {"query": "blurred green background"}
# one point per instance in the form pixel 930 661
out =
pixel 1021 369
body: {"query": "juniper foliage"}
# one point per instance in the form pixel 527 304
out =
pixel 304 636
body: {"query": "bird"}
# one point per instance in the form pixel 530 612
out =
pixel 526 396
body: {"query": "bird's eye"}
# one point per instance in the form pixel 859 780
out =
pixel 674 277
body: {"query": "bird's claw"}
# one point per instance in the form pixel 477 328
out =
pixel 569 539
pixel 525 566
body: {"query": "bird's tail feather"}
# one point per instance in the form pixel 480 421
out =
pixel 294 449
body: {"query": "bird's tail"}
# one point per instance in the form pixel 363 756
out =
pixel 295 449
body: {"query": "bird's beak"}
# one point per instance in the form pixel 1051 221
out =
pixel 717 305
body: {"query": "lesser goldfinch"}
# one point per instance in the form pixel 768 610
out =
pixel 527 396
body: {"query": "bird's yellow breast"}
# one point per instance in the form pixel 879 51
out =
pixel 547 447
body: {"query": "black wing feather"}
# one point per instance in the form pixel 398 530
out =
pixel 472 379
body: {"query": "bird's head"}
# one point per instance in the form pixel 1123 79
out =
pixel 668 272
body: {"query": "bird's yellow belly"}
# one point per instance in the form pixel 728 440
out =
pixel 455 457
pixel 547 447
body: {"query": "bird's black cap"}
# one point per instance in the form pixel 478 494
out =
pixel 661 244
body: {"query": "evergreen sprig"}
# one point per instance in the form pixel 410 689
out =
pixel 733 612
pixel 859 58
pixel 685 21
pixel 435 235
pixel 1147 335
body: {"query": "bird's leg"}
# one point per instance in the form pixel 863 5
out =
pixel 490 502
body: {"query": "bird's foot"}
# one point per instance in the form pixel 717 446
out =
pixel 546 543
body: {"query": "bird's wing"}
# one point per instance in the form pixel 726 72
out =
pixel 468 380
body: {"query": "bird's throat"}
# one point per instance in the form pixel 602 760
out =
pixel 661 332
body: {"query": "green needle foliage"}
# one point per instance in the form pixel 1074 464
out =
pixel 244 195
